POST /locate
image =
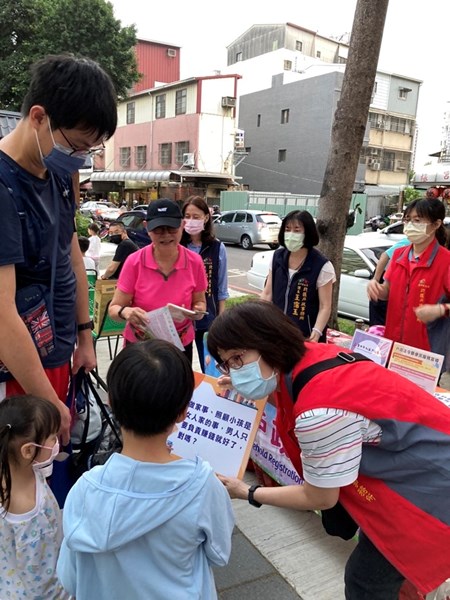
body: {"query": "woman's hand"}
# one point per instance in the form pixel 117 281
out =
pixel 224 381
pixel 374 290
pixel 135 316
pixel 429 312
pixel 236 488
pixel 314 337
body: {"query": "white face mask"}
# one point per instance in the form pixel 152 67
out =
pixel 46 466
pixel 416 232
pixel 293 240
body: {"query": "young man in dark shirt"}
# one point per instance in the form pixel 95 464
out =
pixel 118 235
pixel 69 110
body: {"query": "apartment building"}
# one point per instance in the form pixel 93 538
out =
pixel 291 81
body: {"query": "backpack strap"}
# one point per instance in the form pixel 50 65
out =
pixel 296 385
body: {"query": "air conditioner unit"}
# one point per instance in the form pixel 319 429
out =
pixel 228 102
pixel 376 166
pixel 400 165
pixel 188 159
pixel 171 52
pixel 374 151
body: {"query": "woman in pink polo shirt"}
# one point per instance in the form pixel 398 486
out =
pixel 160 273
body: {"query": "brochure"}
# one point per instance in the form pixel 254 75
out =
pixel 419 366
pixel 160 326
pixel 373 346
pixel 180 313
pixel 220 427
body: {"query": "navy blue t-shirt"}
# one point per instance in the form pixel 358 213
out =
pixel 27 241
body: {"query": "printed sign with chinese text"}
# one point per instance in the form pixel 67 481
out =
pixel 220 427
pixel 419 366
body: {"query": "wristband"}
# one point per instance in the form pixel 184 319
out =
pixel 317 331
pixel 119 314
pixel 251 500
pixel 84 326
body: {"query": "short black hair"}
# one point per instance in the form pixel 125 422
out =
pixel 433 210
pixel 93 227
pixel 306 219
pixel 258 325
pixel 75 92
pixel 83 243
pixel 118 224
pixel 150 384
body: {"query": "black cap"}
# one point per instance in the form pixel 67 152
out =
pixel 163 213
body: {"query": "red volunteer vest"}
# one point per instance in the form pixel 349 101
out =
pixel 401 498
pixel 427 282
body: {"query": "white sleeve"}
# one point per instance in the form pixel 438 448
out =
pixel 326 275
pixel 331 444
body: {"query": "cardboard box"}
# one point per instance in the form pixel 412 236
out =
pixel 104 292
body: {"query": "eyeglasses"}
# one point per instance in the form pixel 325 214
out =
pixel 234 362
pixel 78 151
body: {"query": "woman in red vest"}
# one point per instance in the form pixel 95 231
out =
pixel 357 434
pixel 418 275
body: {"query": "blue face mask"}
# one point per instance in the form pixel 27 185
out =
pixel 60 160
pixel 249 382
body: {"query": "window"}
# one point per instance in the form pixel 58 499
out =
pixel 258 120
pixel 375 86
pixel 140 156
pixel 238 56
pixel 282 155
pixel 299 45
pixel 288 65
pixel 227 218
pixel 165 154
pixel 130 112
pixel 160 108
pixel 180 149
pixel 351 262
pixel 125 156
pixel 318 53
pixel 285 116
pixel 240 217
pixel 403 93
pixel 248 149
pixel 180 102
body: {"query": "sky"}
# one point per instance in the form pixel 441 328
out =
pixel 414 41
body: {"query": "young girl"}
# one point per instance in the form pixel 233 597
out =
pixel 95 245
pixel 30 519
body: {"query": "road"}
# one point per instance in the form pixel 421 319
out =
pixel 239 261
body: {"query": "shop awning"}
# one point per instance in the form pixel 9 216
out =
pixel 158 176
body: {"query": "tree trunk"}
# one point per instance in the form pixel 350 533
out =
pixel 347 136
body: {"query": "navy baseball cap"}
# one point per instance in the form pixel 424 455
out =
pixel 163 213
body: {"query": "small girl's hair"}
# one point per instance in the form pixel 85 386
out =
pixel 94 227
pixel 23 419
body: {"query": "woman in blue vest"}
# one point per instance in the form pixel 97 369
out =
pixel 300 281
pixel 198 236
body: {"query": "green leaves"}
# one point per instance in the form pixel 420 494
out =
pixel 31 29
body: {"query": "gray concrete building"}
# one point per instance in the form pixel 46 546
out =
pixel 287 134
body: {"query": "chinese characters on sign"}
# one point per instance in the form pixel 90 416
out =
pixel 218 429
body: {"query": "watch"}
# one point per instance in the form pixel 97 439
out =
pixel 251 491
pixel 119 314
pixel 84 326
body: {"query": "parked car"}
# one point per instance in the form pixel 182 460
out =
pixel 248 227
pixel 100 210
pixel 359 259
pixel 136 226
